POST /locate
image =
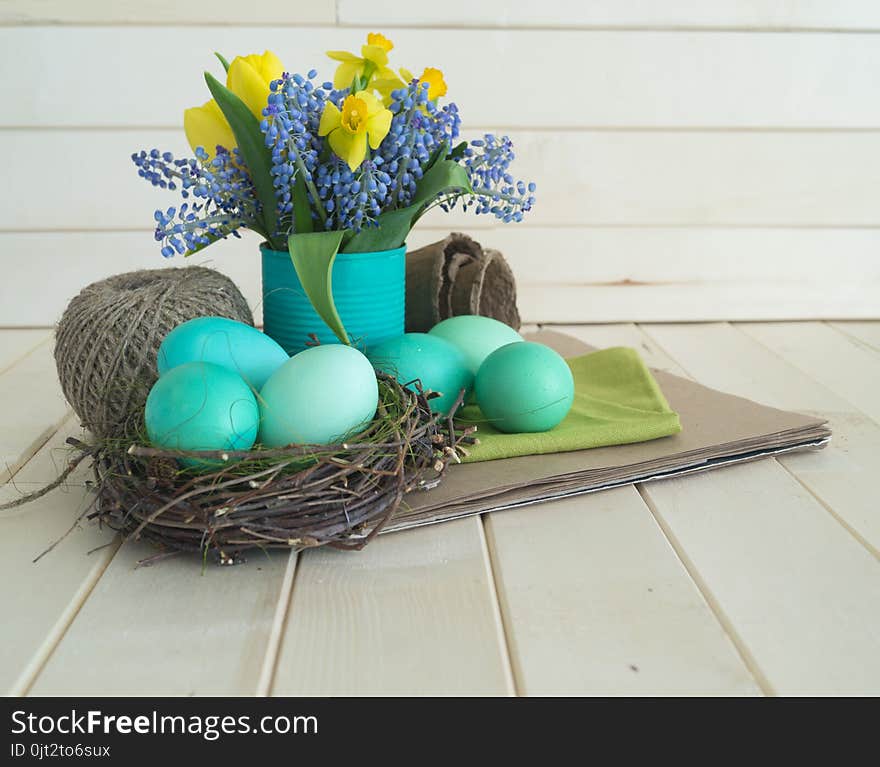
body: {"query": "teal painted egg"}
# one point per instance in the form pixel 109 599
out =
pixel 524 387
pixel 201 406
pixel 221 341
pixel 438 364
pixel 320 396
pixel 476 337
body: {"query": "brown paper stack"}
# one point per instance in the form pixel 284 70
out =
pixel 456 276
pixel 717 430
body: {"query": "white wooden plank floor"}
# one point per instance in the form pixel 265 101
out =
pixel 760 579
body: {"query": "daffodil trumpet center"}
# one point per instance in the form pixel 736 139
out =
pixel 354 115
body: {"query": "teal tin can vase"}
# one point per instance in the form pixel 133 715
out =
pixel 369 290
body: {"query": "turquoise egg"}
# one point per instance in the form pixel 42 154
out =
pixel 320 396
pixel 524 387
pixel 440 366
pixel 201 406
pixel 476 337
pixel 221 341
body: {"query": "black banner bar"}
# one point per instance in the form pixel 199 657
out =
pixel 248 730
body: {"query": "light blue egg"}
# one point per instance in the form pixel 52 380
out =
pixel 318 397
pixel 201 406
pixel 524 387
pixel 221 341
pixel 440 366
pixel 477 337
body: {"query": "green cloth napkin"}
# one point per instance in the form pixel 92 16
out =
pixel 616 402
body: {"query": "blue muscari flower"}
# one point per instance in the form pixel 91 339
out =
pixel 495 192
pixel 218 197
pixel 290 128
pixel 355 198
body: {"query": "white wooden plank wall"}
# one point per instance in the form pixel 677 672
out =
pixel 694 160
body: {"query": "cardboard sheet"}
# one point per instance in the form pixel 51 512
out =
pixel 717 430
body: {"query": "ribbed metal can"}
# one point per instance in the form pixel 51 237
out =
pixel 368 289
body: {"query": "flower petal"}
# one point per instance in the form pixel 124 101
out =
pixel 385 73
pixel 378 39
pixel 351 147
pixel 206 127
pixel 376 54
pixel 342 56
pixel 436 83
pixel 378 126
pixel 372 103
pixel 270 67
pixel 386 88
pixel 345 73
pixel 331 119
pixel 247 83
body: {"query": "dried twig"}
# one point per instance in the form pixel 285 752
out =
pixel 294 497
pixel 57 482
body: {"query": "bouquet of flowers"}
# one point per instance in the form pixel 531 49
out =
pixel 321 168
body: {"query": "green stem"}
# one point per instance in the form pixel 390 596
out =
pixel 495 195
pixel 313 190
pixel 437 201
pixel 367 74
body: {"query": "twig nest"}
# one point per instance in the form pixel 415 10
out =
pixel 291 497
pixel 109 335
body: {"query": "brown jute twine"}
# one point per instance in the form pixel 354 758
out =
pixel 109 335
pixel 457 276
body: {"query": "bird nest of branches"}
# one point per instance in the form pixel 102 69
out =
pixel 295 497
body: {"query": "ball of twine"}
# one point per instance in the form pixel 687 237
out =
pixel 109 336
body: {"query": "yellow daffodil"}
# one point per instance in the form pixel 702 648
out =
pixel 248 78
pixel 362 119
pixel 386 85
pixel 372 63
pixel 378 39
pixel 432 76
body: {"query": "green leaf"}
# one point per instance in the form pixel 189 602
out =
pixel 252 146
pixel 393 227
pixel 313 254
pixel 302 212
pixel 223 61
pixel 440 153
pixel 444 177
pixel 458 151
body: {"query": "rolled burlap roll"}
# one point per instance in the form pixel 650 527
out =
pixel 107 340
pixel 455 276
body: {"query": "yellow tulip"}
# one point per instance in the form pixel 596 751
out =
pixel 248 78
pixel 205 126
pixel 362 119
pixel 372 63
